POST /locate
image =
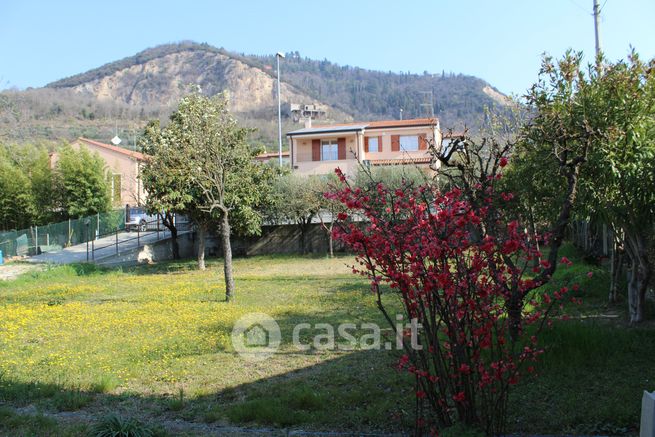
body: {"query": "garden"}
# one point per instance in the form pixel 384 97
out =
pixel 81 344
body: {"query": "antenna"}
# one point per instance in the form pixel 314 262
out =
pixel 427 107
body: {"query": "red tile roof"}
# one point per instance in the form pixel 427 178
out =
pixel 387 123
pixel 401 161
pixel 132 154
pixel 270 155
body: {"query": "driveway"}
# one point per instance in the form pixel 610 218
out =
pixel 100 248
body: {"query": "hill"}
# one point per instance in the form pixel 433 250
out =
pixel 121 96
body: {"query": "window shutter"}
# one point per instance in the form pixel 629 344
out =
pixel 316 150
pixel 379 144
pixel 422 142
pixel 342 148
pixel 395 143
pixel 366 144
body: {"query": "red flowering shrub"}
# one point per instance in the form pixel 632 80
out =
pixel 461 283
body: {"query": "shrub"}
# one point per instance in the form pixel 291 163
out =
pixel 460 270
pixel 117 426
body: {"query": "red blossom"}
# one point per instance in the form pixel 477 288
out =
pixel 457 279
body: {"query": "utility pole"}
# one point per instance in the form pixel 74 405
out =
pixel 279 55
pixel 596 20
pixel 427 107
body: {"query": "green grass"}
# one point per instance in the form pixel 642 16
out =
pixel 13 424
pixel 156 340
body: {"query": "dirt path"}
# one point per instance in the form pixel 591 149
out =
pixel 200 429
pixel 13 270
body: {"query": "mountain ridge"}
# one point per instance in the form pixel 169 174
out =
pixel 149 84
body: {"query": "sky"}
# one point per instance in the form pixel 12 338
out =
pixel 499 41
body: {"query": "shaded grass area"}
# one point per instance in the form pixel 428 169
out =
pixel 595 369
pixel 155 340
pixel 13 424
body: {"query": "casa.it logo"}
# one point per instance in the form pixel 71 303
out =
pixel 256 336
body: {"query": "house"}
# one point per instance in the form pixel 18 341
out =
pixel 320 149
pixel 124 167
pixel 273 157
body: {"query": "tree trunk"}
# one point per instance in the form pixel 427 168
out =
pixel 227 258
pixel 303 245
pixel 533 236
pixel 174 243
pixel 168 221
pixel 640 272
pixel 633 295
pixel 616 267
pixel 328 231
pixel 331 243
pixel 202 235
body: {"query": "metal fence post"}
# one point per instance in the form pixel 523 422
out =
pixel 116 241
pixel 157 226
pixel 93 249
pixel 87 242
pixel 138 236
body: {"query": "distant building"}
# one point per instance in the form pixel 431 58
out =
pixel 124 168
pixel 312 111
pixel 320 149
pixel 273 156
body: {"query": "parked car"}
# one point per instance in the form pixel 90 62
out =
pixel 136 218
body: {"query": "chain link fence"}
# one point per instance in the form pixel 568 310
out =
pixel 57 236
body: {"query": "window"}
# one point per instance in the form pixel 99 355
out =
pixel 373 144
pixel 329 150
pixel 116 188
pixel 409 143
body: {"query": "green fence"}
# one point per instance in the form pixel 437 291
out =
pixel 56 236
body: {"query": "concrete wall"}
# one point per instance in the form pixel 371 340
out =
pixel 273 240
pixel 161 250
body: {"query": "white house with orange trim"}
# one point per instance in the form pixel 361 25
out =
pixel 320 149
pixel 124 168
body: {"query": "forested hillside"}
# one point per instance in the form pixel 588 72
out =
pixel 121 96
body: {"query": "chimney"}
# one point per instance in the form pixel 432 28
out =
pixel 308 122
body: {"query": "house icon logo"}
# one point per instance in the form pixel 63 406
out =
pixel 256 336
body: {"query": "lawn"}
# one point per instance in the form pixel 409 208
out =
pixel 78 343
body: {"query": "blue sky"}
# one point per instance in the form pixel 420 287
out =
pixel 500 41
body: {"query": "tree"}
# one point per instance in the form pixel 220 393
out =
pixel 81 183
pixel 43 180
pixel 16 199
pixel 602 118
pixel 330 209
pixel 165 180
pixel 297 199
pixel 221 168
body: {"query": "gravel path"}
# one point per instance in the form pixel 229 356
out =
pixel 12 270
